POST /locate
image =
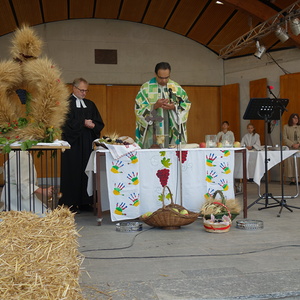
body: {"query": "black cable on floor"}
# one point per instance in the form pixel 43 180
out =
pixel 194 255
pixel 120 248
pixel 176 256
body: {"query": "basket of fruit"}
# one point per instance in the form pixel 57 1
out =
pixel 228 207
pixel 171 216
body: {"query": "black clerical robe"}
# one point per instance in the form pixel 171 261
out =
pixel 73 161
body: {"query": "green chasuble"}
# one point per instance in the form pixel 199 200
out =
pixel 147 96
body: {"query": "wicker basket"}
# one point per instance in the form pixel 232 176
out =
pixel 217 226
pixel 223 201
pixel 167 218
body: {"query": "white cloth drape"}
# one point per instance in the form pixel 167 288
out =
pixel 134 186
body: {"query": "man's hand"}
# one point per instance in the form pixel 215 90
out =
pixel 89 124
pixel 164 104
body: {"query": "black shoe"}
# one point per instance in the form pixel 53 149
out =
pixel 75 209
pixel 292 183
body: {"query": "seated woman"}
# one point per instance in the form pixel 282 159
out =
pixel 291 138
pixel 21 191
pixel 251 140
pixel 225 136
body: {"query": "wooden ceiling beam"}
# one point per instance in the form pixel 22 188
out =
pixel 254 7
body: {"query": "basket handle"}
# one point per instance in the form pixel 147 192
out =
pixel 229 214
pixel 221 195
pixel 163 195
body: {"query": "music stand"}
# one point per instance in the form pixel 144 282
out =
pixel 266 109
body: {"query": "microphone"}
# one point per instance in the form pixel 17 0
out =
pixel 270 88
pixel 178 100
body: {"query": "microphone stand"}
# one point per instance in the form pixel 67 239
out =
pixel 282 202
pixel 177 104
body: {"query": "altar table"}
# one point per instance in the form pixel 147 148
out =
pixel 135 181
pixel 256 163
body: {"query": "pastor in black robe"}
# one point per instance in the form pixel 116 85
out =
pixel 73 185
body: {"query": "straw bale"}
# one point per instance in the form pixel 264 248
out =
pixel 39 257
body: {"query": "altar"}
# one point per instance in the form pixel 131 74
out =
pixel 135 181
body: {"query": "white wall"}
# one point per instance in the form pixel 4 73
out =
pixel 245 69
pixel 71 45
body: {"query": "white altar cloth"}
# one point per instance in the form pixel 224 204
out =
pixel 135 181
pixel 256 163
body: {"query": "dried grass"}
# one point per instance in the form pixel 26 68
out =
pixel 39 257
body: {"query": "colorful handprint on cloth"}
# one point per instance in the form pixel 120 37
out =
pixel 116 166
pixel 225 168
pixel 209 193
pixel 210 176
pixel 118 188
pixel 134 178
pixel 133 158
pixel 135 199
pixel 226 152
pixel 210 159
pixel 119 209
pixel 224 184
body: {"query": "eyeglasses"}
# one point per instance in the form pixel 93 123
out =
pixel 163 77
pixel 81 90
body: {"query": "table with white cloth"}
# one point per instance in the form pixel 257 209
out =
pixel 132 185
pixel 256 162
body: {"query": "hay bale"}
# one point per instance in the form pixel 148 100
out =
pixel 39 257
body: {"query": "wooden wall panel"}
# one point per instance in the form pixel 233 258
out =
pixel 205 112
pixel 98 94
pixel 290 89
pixel 230 108
pixel 258 89
pixel 120 110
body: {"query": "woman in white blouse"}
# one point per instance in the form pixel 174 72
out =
pixel 251 140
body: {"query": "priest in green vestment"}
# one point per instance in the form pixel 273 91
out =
pixel 161 108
